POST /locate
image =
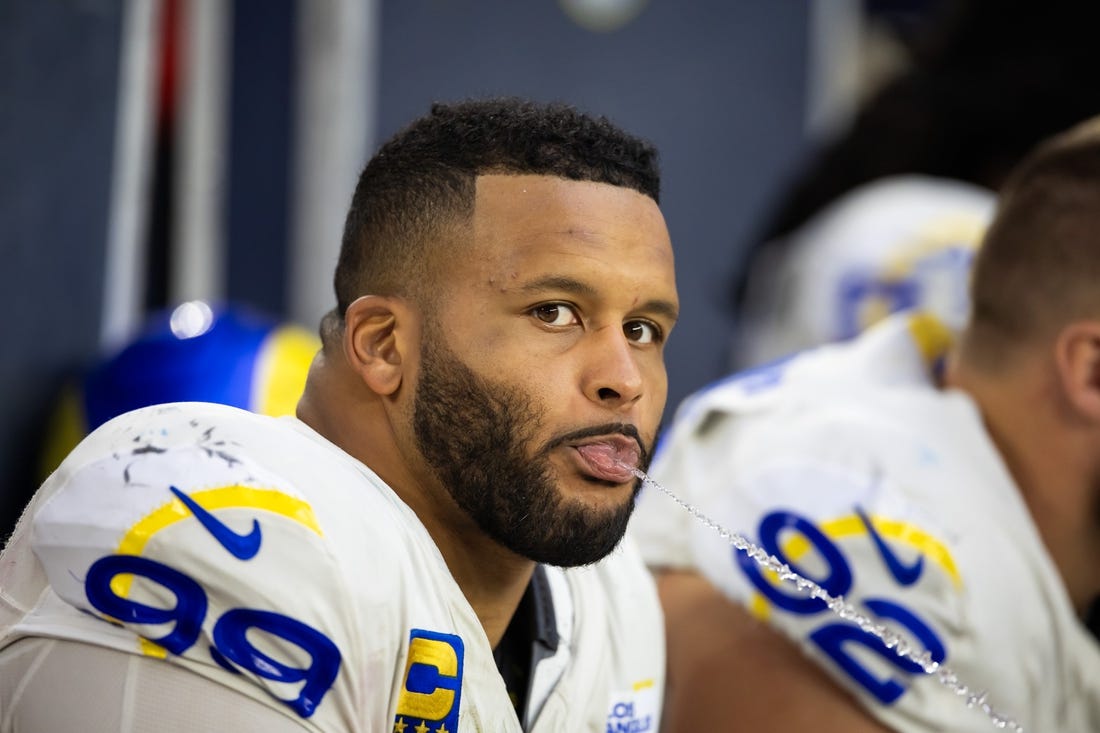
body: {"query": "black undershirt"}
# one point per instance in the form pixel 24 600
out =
pixel 531 636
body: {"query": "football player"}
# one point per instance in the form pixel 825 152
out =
pixel 957 507
pixel 433 543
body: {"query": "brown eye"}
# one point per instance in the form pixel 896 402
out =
pixel 641 332
pixel 555 314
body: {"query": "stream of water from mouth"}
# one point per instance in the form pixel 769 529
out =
pixel 845 610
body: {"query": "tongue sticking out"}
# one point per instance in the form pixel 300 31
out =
pixel 606 460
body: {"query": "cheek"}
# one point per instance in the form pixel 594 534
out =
pixel 658 404
pixel 657 394
pixel 549 388
pixel 531 384
pixel 516 353
pixel 652 366
pixel 501 350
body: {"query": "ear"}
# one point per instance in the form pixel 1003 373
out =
pixel 1077 358
pixel 377 338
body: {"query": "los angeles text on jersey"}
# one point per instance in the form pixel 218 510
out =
pixel 635 710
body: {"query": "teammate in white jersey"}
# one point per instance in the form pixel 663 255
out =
pixel 950 492
pixel 896 243
pixel 433 543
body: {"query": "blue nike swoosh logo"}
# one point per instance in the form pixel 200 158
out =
pixel 904 574
pixel 242 547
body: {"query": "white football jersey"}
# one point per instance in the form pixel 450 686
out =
pixel 255 553
pixel 849 464
pixel 896 243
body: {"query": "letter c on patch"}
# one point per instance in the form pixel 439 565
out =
pixel 433 676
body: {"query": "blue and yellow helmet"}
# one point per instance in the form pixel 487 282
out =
pixel 196 352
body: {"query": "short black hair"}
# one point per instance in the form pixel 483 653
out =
pixel 424 179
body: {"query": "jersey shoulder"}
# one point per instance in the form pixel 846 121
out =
pixel 232 542
pixel 854 499
pixel 901 353
pixel 210 485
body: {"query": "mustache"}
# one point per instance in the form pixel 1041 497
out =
pixel 626 429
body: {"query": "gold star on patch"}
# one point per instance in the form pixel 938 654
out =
pixel 400 726
pixel 422 728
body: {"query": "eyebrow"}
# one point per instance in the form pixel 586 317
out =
pixel 576 287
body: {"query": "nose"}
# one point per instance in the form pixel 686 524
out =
pixel 612 377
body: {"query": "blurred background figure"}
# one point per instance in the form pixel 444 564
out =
pixel 896 243
pixel 884 215
pixel 233 355
pixel 944 504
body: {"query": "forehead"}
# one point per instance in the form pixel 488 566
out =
pixel 531 226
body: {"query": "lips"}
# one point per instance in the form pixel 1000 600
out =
pixel 604 459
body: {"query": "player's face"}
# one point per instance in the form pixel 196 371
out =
pixel 543 365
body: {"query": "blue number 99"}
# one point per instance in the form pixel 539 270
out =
pixel 188 613
pixel 231 641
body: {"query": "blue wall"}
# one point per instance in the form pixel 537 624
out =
pixel 58 84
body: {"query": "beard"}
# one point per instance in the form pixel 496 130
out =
pixel 475 434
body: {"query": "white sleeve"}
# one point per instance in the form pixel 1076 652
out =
pixel 853 533
pixel 21 580
pixel 22 577
pixel 58 685
pixel 175 546
pixel 661 530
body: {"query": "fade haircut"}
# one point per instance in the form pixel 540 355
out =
pixel 1039 264
pixel 422 182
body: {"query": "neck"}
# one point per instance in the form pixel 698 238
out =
pixel 1051 461
pixel 492 578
